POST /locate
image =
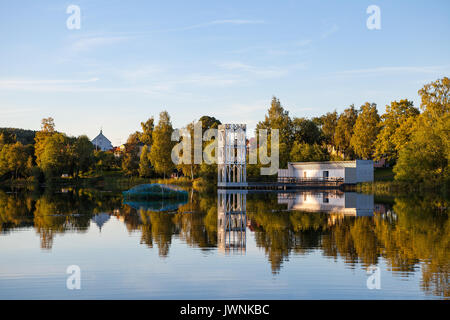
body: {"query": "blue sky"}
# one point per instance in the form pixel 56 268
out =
pixel 132 59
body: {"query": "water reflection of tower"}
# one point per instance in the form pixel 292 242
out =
pixel 231 220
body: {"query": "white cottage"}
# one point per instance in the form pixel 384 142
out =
pixel 351 171
pixel 102 143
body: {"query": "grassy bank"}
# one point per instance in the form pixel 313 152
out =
pixel 383 174
pixel 107 180
pixel 384 184
pixel 389 188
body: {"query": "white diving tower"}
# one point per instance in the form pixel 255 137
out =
pixel 231 159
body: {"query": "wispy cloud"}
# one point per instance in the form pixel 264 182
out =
pixel 14 111
pixel 207 80
pixel 141 72
pixel 64 85
pixel 153 79
pixel 93 42
pixel 302 43
pixel 220 22
pixel 45 85
pixel 392 69
pixel 283 48
pixel 144 87
pixel 329 31
pixel 261 72
pixel 245 112
pixel 11 83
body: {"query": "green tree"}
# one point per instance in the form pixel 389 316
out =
pixel 83 154
pixel 365 131
pixel 208 171
pixel 328 126
pixel 278 118
pixel 308 152
pixel 14 160
pixel 22 135
pixel 344 131
pixel 47 130
pixel 402 134
pixel 134 138
pixel 6 137
pixel 190 169
pixel 53 157
pixel 435 98
pixel 305 130
pixel 130 161
pixel 106 160
pixel 426 156
pixel 209 123
pixel 145 167
pixel 395 130
pixel 147 132
pixel 160 153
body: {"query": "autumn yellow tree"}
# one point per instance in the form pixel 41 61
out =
pixel 47 130
pixel 426 156
pixel 160 152
pixel 328 123
pixel 147 131
pixel 278 118
pixel 145 167
pixel 395 129
pixel 344 131
pixel 14 160
pixel 365 131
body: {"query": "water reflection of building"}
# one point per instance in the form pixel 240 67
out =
pixel 231 220
pixel 346 203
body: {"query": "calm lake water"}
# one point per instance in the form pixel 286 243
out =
pixel 304 245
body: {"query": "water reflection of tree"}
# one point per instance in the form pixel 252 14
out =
pixel 416 232
pixel 16 210
pixel 53 212
pixel 199 228
pixel 158 227
pixel 422 232
pixel 195 223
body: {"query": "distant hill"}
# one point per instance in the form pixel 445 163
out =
pixel 22 135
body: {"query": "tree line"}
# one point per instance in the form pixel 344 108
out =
pixel 50 155
pixel 415 141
